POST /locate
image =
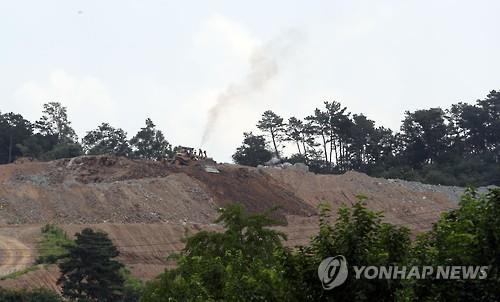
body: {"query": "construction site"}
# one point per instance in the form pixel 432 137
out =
pixel 148 207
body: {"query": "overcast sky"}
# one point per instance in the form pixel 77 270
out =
pixel 123 61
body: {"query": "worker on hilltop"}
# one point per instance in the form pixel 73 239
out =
pixel 205 154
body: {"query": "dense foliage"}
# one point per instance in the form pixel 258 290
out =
pixel 14 129
pixel 469 235
pixel 52 137
pixel 244 263
pixel 107 140
pixel 247 262
pixel 150 143
pixel 456 146
pixel 362 238
pixel 253 152
pixel 89 271
pixel 35 295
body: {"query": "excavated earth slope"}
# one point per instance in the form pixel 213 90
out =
pixel 148 207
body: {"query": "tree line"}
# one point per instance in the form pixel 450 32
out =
pixel 248 262
pixel 456 146
pixel 52 137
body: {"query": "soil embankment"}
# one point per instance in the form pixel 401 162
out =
pixel 148 207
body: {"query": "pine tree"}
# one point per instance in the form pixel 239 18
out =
pixel 272 124
pixel 89 272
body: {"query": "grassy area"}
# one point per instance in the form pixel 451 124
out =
pixel 19 273
pixel 53 244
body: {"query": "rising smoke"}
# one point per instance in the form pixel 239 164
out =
pixel 264 66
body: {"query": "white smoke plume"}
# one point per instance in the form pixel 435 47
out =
pixel 264 66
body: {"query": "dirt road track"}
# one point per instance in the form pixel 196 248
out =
pixel 14 255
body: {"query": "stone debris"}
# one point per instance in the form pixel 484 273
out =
pixel 96 189
pixel 211 169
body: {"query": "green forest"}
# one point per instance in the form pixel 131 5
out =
pixel 52 137
pixel 459 145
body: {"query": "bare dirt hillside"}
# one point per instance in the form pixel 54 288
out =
pixel 15 255
pixel 110 189
pixel 400 204
pixel 148 207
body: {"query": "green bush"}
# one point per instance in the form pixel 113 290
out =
pixel 19 273
pixel 35 295
pixel 63 151
pixel 53 245
pixel 248 263
pixel 133 287
pixel 241 264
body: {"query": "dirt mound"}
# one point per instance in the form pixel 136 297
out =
pixel 97 189
pixel 83 169
pixel 109 189
pixel 148 207
pixel 257 191
pixel 95 169
pixel 43 276
pixel 400 205
pixel 175 197
pixel 15 255
pixel 143 247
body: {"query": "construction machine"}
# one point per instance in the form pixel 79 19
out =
pixel 185 156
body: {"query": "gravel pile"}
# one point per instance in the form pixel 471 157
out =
pixel 453 192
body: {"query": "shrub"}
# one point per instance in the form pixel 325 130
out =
pixel 53 245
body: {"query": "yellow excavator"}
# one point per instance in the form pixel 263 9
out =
pixel 185 156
